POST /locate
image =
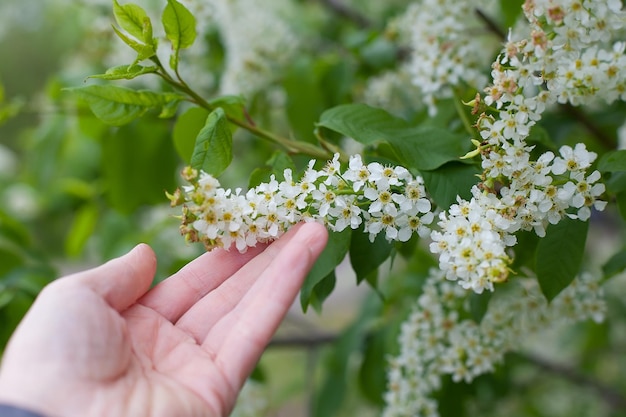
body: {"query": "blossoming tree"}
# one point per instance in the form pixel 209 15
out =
pixel 471 143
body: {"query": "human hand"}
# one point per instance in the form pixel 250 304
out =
pixel 100 343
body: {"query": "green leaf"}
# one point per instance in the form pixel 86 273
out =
pixel 131 18
pixel 82 227
pixel 279 162
pixel 305 99
pixel 511 10
pixel 180 28
pixel 330 395
pixel 540 136
pixel 259 176
pixel 233 106
pixel 119 105
pixel 615 265
pixel 363 123
pixel 186 129
pixel 322 290
pixel 614 161
pixel 373 370
pixel 479 303
pixel 419 147
pixel 449 181
pixel 620 198
pixel 213 150
pixel 366 256
pixel 616 183
pixel 334 252
pixel 138 163
pixel 559 255
pixel 143 51
pixel 125 72
pixel 429 147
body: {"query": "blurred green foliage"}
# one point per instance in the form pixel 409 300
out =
pixel 77 191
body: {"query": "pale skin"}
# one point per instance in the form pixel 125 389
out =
pixel 102 343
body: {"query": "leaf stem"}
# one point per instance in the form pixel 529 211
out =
pixel 289 145
pixel 461 111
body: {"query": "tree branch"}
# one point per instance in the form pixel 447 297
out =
pixel 306 342
pixel 338 7
pixel 610 395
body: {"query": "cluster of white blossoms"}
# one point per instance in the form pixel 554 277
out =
pixel 448 46
pixel 561 61
pixel 258 40
pixel 474 234
pixel 381 199
pixel 567 55
pixel 434 341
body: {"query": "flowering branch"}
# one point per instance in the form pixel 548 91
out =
pixel 289 145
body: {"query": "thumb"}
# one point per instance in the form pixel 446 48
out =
pixel 121 281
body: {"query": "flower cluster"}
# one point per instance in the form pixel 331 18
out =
pixel 435 341
pixel 257 39
pixel 379 198
pixel 446 47
pixel 474 234
pixel 566 56
pixel 562 61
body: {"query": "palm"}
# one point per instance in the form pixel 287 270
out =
pixel 183 348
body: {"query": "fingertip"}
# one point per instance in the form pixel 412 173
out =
pixel 145 253
pixel 314 235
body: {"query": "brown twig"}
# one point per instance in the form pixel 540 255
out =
pixel 491 24
pixel 308 341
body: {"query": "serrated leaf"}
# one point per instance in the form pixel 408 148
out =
pixel 418 147
pixel 334 252
pixel 559 255
pixel 213 150
pixel 131 18
pixel 125 72
pixel 180 28
pixel 614 161
pixel 186 129
pixel 119 105
pixel 143 51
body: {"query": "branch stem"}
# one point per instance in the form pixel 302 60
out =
pixel 289 145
